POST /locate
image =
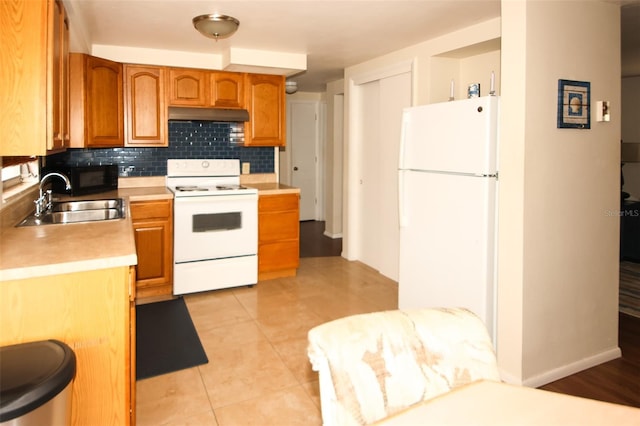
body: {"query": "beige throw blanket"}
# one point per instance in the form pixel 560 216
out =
pixel 373 365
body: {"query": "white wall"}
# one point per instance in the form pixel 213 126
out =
pixel 558 262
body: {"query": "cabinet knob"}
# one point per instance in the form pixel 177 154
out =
pixel 295 168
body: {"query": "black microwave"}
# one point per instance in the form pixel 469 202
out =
pixel 87 179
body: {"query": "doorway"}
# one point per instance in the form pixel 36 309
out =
pixel 303 118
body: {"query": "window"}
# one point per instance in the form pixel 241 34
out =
pixel 18 176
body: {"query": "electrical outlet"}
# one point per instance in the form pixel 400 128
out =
pixel 246 168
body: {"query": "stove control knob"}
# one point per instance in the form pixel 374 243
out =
pixel 205 164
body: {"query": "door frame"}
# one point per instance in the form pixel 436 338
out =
pixel 285 160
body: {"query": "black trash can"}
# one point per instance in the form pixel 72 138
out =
pixel 35 383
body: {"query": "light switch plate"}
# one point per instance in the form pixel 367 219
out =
pixel 246 168
pixel 602 111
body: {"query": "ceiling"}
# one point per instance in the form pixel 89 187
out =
pixel 332 34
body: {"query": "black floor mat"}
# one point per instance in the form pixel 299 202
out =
pixel 166 339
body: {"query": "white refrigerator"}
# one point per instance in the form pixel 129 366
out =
pixel 448 188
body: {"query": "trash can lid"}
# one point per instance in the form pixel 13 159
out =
pixel 31 374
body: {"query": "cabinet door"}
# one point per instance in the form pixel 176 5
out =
pixel 150 243
pixel 265 100
pixel 187 87
pixel 65 66
pixel 146 122
pixel 227 90
pixel 104 110
pixel 153 231
pixel 26 54
pixel 89 311
pixel 60 81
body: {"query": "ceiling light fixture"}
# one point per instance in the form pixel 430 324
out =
pixel 216 26
pixel 290 87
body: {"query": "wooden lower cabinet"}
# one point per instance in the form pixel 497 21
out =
pixel 278 235
pixel 132 345
pixel 153 231
pixel 90 312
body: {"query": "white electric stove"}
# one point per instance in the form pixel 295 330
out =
pixel 215 226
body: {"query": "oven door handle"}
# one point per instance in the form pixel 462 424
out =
pixel 215 198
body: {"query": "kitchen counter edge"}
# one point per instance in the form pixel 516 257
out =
pixel 273 188
pixel 62 249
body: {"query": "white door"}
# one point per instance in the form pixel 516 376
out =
pixel 381 105
pixel 303 119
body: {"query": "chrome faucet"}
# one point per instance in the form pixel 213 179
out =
pixel 43 203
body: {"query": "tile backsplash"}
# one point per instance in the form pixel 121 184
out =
pixel 187 139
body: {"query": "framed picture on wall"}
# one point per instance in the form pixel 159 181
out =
pixel 574 104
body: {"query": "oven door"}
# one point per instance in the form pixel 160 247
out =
pixel 215 227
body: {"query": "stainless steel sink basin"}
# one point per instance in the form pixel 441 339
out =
pixel 78 211
pixel 72 206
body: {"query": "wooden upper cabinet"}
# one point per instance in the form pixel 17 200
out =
pixel 187 87
pixel 226 90
pixel 204 88
pixel 60 72
pixel 145 107
pixel 97 109
pixel 105 110
pixel 32 52
pixel 265 100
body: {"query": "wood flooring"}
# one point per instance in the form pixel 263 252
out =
pixel 313 242
pixel 616 381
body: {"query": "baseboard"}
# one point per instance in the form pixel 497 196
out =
pixel 332 236
pixel 565 370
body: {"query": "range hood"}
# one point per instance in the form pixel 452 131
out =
pixel 208 114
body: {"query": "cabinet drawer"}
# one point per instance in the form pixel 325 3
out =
pixel 150 209
pixel 278 202
pixel 278 226
pixel 278 255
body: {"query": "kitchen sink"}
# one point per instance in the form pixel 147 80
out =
pixel 62 212
pixel 72 206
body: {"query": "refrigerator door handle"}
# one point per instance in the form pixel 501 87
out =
pixel 402 216
pixel 403 140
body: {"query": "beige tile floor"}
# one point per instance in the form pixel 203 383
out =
pixel 256 339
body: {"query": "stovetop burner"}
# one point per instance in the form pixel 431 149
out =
pixel 190 188
pixel 228 187
pixel 206 178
